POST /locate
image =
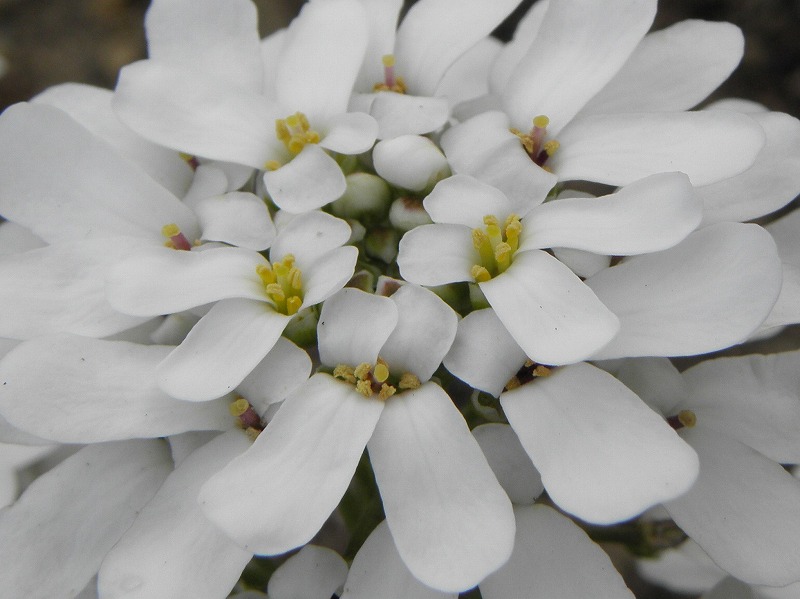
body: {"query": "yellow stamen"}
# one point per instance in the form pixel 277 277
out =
pixel 275 292
pixel 551 147
pixel 266 274
pixel 362 371
pixel 502 255
pixel 293 305
pixel 512 383
pixel 295 278
pixel 252 433
pixel 239 407
pixel 365 388
pixel 295 132
pixel 272 165
pixel 386 392
pixel 344 372
pixel 541 370
pixel 687 418
pixel 480 274
pixel 409 380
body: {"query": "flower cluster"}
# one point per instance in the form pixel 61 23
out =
pixel 257 258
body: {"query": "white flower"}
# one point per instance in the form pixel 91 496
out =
pixel 230 109
pixel 430 471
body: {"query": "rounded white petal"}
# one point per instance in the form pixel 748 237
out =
pixel 744 510
pixel 313 573
pixel 672 69
pixel 378 571
pixel 450 519
pixel 281 371
pixel 382 16
pixel 584 264
pixel 464 200
pixel 484 354
pixel 709 292
pixel 329 274
pixel 353 326
pixel 578 48
pixel 309 181
pixel 437 254
pixel 276 495
pixel 93 496
pixel 424 332
pixel 171 549
pixel 350 133
pixel 652 214
pixel 509 462
pixel 604 456
pixel 553 557
pixel 221 349
pixel 548 310
pixel 308 237
pixel 95 391
pixel 237 218
pixel 708 146
pixel 409 161
pixel 401 114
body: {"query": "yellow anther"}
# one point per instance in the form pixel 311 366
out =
pixel 272 165
pixel 512 383
pixel 388 60
pixel 386 392
pixel 541 121
pixel 295 132
pixel 381 372
pixel 293 304
pixel 344 372
pixel 293 121
pixel 551 147
pixel 525 139
pixel 365 388
pixel 169 244
pixel 170 230
pixel 513 230
pixel 295 278
pixel 282 131
pixel 288 260
pixel 275 291
pixel 239 407
pixel 542 370
pixel 266 274
pixel 687 418
pixel 281 269
pixel 252 433
pixel 480 274
pixel 502 255
pixel 409 380
pixel 362 371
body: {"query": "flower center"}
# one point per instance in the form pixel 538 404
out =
pixel 246 417
pixel 495 245
pixel 684 418
pixel 283 284
pixel 534 142
pixel 295 133
pixel 175 239
pixel 391 82
pixel 372 380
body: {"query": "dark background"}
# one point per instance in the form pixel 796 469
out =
pixel 45 42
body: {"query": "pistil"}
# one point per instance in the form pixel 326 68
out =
pixel 175 239
pixel 391 82
pixel 534 142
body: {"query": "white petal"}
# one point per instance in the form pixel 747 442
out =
pixel 513 52
pixel 342 340
pixel 106 484
pixel 328 275
pixel 509 462
pixel 237 218
pixel 709 292
pixel 744 510
pixel 648 215
pixel 683 569
pixel 171 549
pixel 277 495
pixel 323 50
pixel 308 237
pixel 409 161
pixel 64 183
pixel 464 200
pixel 91 107
pixel 161 280
pixel 197 113
pixel 619 149
pixel 95 391
pixel 584 264
pixel 221 349
pixel 15 239
pixel 382 16
pixel 429 41
pixel 772 181
pixel 209 180
pixel 484 354
pixel 468 78
pixel 206 36
pixel 550 313
pixel 401 114
pixel 450 519
pixel 656 381
pixel 424 332
pixel 350 133
pixel 721 392
pixel 553 557
pixel 605 456
pixel 62 288
pixel 313 573
pixel 309 181
pixel 378 571
pixel 672 69
pixel 271 48
pixel 283 369
pixel 730 588
pixel 579 47
pixel 437 254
